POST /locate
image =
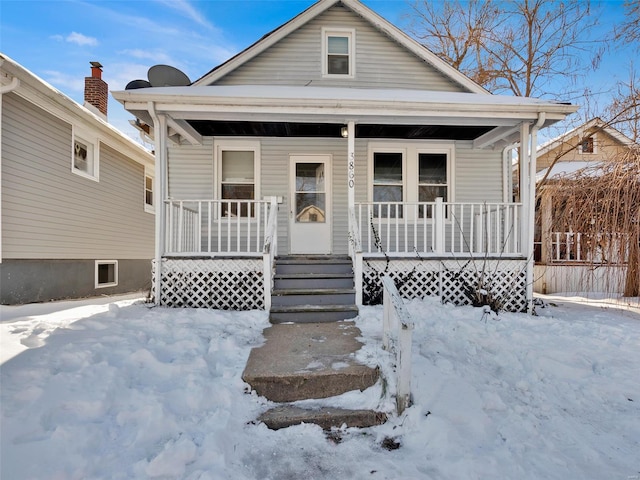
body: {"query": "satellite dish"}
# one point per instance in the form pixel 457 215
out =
pixel 167 76
pixel 133 84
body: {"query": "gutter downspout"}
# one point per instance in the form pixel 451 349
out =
pixel 160 127
pixel 15 83
pixel 542 116
pixel 507 180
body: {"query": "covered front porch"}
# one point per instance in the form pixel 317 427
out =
pixel 409 183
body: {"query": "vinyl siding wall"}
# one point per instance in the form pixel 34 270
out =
pixel 50 212
pixel 380 61
pixel 477 175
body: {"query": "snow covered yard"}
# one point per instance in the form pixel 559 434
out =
pixel 113 389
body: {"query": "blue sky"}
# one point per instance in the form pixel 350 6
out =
pixel 57 39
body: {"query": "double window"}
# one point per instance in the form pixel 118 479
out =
pixel 238 167
pixel 338 57
pixel 413 174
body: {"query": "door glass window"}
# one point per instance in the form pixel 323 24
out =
pixel 310 193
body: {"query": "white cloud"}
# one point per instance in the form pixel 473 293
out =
pixel 188 11
pixel 80 39
pixel 65 82
pixel 154 55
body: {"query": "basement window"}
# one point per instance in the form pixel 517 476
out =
pixel 106 273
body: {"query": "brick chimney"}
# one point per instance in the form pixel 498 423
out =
pixel 96 90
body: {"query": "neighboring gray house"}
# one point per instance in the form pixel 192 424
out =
pixel 77 195
pixel 333 131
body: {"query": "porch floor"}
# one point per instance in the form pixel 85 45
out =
pixel 301 361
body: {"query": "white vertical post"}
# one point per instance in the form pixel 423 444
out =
pixel 358 277
pixel 387 311
pixel 524 187
pixel 403 361
pixel 438 223
pixel 351 164
pixel 160 137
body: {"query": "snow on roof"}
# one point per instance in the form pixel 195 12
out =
pixel 278 92
pixel 568 169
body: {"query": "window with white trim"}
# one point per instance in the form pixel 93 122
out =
pixel 388 182
pixel 433 178
pixel 415 173
pixel 238 169
pixel 106 273
pixel 84 156
pixel 149 181
pixel 338 57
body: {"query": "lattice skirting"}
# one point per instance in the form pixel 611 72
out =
pixel 235 284
pixel 450 280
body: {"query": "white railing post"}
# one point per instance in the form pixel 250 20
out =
pixel 355 249
pixel 269 251
pixel 397 337
pixel 438 224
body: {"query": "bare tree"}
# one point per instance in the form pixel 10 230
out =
pixel 629 31
pixel 510 46
pixel 624 109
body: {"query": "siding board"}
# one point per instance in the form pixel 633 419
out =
pixel 380 61
pixel 50 212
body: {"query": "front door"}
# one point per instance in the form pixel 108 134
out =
pixel 310 201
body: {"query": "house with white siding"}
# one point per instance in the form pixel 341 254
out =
pixel 336 138
pixel 77 212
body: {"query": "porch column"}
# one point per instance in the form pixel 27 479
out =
pixel 351 164
pixel 528 139
pixel 523 171
pixel 160 137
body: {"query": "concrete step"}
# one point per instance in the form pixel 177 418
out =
pixel 327 417
pixel 320 296
pixel 303 361
pixel 313 280
pixel 318 265
pixel 311 313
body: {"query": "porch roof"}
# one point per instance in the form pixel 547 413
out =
pixel 339 105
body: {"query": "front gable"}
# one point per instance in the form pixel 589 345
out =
pixel 592 142
pixel 379 59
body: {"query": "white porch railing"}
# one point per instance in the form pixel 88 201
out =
pixel 397 329
pixel 439 228
pixel 216 227
pixel 600 248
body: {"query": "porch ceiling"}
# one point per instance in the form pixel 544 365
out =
pixel 332 130
pixel 197 111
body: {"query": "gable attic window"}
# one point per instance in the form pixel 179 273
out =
pixel 338 52
pixel 587 145
pixel 84 157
